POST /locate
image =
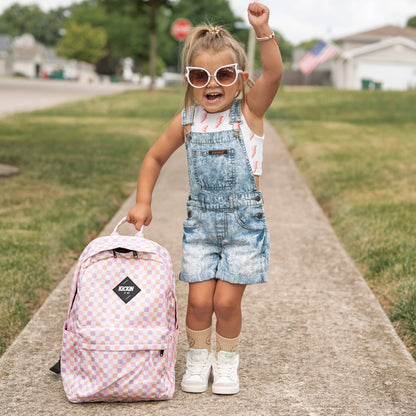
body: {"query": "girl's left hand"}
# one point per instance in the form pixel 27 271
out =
pixel 258 15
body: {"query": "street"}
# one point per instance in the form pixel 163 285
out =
pixel 17 95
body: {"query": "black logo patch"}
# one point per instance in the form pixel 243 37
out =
pixel 126 290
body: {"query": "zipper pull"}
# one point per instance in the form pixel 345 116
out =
pixel 161 353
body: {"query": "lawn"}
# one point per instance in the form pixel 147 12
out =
pixel 357 152
pixel 78 163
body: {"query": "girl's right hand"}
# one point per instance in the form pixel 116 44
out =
pixel 139 215
pixel 258 15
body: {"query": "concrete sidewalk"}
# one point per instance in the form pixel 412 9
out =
pixel 315 340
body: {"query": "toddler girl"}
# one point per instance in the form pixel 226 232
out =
pixel 226 241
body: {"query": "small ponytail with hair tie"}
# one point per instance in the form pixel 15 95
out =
pixel 214 30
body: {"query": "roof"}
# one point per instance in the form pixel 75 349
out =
pixel 372 47
pixel 382 32
pixel 26 47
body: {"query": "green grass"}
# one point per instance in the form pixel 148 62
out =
pixel 357 152
pixel 78 162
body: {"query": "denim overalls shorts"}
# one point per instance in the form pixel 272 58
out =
pixel 225 235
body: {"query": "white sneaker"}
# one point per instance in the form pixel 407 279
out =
pixel 225 373
pixel 198 370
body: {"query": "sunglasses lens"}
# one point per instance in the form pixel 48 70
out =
pixel 226 76
pixel 198 77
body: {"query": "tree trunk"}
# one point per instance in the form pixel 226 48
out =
pixel 153 43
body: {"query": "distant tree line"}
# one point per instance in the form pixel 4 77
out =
pixel 104 31
pixel 411 22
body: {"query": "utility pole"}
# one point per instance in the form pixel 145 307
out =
pixel 251 46
pixel 251 49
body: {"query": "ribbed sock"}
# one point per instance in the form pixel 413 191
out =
pixel 199 339
pixel 226 344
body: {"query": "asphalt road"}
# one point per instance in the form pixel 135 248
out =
pixel 17 95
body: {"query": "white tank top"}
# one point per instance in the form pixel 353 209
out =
pixel 212 122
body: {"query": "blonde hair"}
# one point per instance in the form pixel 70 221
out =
pixel 214 39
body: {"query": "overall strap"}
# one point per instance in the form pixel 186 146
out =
pixel 188 116
pixel 235 114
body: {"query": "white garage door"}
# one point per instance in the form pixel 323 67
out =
pixel 392 76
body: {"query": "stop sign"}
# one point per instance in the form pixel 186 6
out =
pixel 180 29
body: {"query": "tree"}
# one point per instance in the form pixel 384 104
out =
pixel 214 12
pixel 83 43
pixel 137 8
pixel 308 44
pixel 18 19
pixel 411 22
pixel 45 27
pixel 124 36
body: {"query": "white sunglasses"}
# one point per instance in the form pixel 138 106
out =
pixel 225 75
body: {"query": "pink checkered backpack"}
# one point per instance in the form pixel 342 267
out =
pixel 120 337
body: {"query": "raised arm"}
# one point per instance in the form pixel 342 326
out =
pixel 264 90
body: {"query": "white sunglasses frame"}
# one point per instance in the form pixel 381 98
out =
pixel 237 72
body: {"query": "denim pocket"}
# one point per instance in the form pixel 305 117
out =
pixel 251 217
pixel 193 217
pixel 214 169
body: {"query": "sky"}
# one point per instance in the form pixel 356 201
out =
pixel 299 20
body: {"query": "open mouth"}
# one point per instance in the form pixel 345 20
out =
pixel 213 97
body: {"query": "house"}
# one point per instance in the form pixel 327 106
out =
pixel 28 56
pixel 375 35
pixel 384 57
pixel 5 55
pixel 25 56
pixel 57 67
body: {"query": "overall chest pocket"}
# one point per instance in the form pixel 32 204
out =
pixel 214 169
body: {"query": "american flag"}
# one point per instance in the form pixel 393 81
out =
pixel 319 54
